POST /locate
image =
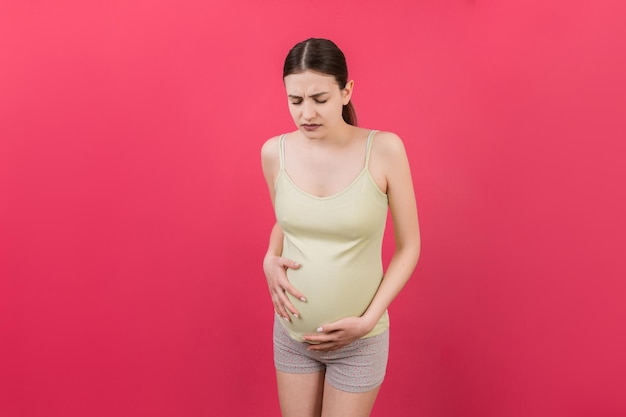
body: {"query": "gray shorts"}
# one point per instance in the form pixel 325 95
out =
pixel 357 367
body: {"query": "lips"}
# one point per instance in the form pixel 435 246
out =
pixel 310 127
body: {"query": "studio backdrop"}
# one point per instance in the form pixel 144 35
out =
pixel 134 215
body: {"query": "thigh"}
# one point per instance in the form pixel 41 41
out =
pixel 360 366
pixel 338 403
pixel 291 356
pixel 300 395
pixel 299 377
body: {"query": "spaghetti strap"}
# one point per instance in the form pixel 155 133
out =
pixel 368 149
pixel 281 151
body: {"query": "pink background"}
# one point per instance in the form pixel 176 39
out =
pixel 134 215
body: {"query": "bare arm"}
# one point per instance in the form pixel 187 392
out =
pixel 406 232
pixel 274 265
pixel 403 209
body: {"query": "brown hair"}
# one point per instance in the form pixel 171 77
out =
pixel 323 56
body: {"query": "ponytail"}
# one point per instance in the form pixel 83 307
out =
pixel 349 114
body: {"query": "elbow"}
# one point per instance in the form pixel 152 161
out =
pixel 416 254
pixel 415 246
pixel 410 251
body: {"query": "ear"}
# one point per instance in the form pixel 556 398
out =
pixel 347 92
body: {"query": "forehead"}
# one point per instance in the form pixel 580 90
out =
pixel 309 82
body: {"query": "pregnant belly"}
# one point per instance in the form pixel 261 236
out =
pixel 329 298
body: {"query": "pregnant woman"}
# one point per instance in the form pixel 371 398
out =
pixel 332 184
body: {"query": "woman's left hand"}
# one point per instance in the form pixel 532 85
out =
pixel 338 334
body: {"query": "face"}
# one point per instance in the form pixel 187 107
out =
pixel 316 102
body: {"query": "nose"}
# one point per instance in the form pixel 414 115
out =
pixel 308 110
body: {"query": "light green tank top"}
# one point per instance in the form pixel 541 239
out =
pixel 338 241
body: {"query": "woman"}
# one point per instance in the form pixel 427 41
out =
pixel 332 184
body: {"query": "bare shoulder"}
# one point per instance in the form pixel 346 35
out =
pixel 270 159
pixel 388 146
pixel 269 150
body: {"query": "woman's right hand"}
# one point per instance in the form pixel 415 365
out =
pixel 275 268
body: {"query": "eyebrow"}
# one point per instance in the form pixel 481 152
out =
pixel 312 95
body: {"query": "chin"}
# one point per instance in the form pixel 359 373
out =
pixel 315 134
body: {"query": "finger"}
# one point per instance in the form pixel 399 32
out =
pixel 327 329
pixel 294 292
pixel 324 347
pixel 340 324
pixel 283 281
pixel 283 306
pixel 320 338
pixel 288 263
pixel 278 299
pixel 280 315
pixel 280 310
pixel 288 305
